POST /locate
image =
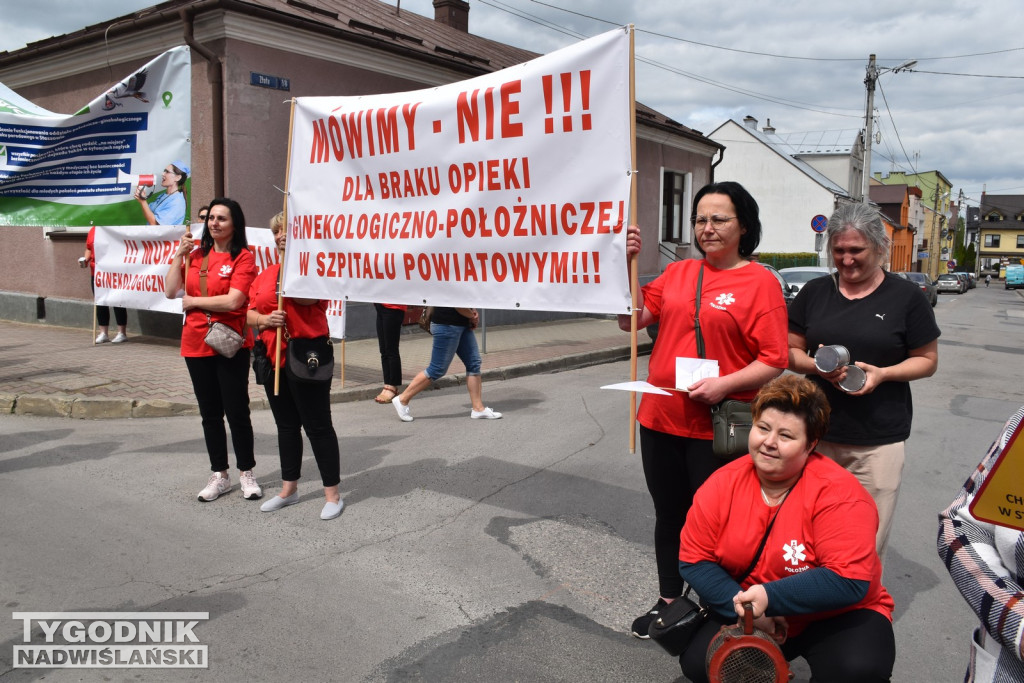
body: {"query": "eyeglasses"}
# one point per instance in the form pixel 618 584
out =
pixel 716 221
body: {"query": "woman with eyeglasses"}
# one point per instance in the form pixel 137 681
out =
pixel 743 326
pixel 166 207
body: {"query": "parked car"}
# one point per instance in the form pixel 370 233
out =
pixel 926 284
pixel 788 291
pixel 1014 276
pixel 965 279
pixel 949 282
pixel 797 276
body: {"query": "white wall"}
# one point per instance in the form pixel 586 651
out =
pixel 787 197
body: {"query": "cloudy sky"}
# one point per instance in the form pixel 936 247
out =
pixel 800 64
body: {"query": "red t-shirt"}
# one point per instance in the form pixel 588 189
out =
pixel 827 520
pixel 302 322
pixel 223 274
pixel 742 319
pixel 90 246
pixel 397 307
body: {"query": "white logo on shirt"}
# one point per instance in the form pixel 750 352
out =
pixel 880 316
pixel 723 300
pixel 225 270
pixel 794 552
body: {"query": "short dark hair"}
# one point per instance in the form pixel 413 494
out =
pixel 238 240
pixel 746 213
pixel 796 395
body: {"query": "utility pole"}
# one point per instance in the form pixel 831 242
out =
pixel 869 127
pixel 873 72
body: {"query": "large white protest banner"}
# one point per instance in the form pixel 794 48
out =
pixel 509 190
pixel 67 170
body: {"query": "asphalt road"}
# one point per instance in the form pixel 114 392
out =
pixel 517 549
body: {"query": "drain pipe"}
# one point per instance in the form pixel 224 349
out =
pixel 215 76
pixel 721 156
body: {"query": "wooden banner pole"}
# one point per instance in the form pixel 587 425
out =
pixel 634 276
pixel 280 254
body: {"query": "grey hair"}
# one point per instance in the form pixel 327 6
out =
pixel 865 219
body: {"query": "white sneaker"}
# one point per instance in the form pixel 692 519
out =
pixel 216 487
pixel 485 414
pixel 102 337
pixel 119 337
pixel 250 489
pixel 403 411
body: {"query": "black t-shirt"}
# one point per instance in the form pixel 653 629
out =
pixel 879 329
pixel 449 316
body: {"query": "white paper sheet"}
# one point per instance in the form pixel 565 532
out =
pixel 689 370
pixel 639 386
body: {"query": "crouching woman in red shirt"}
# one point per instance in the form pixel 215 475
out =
pixel 216 289
pixel 816 583
pixel 297 406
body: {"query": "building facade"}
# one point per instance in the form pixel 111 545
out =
pixel 240 130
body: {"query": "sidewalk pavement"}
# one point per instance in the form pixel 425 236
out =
pixel 58 372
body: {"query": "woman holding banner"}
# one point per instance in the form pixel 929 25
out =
pixel 296 406
pixel 743 325
pixel 213 282
pixel 103 312
pixel 168 206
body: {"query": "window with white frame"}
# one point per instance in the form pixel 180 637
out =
pixel 675 206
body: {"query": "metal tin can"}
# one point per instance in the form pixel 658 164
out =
pixel 831 358
pixel 855 379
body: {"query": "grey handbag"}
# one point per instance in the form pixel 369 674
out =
pixel 220 337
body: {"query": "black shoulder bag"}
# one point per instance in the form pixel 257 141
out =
pixel 678 623
pixel 731 419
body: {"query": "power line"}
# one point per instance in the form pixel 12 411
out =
pixel 765 54
pixel 949 73
pixel 894 130
pixel 806 106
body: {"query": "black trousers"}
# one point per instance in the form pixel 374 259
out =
pixel 222 389
pixel 852 647
pixel 103 312
pixel 675 467
pixel 389 333
pixel 305 405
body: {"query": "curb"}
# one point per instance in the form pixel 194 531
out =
pixel 91 408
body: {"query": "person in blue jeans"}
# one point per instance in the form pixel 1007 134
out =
pixel 453 336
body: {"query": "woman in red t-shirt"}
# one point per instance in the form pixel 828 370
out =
pixel 792 533
pixel 743 326
pixel 103 312
pixel 296 407
pixel 216 289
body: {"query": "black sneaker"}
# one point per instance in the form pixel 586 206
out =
pixel 642 624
